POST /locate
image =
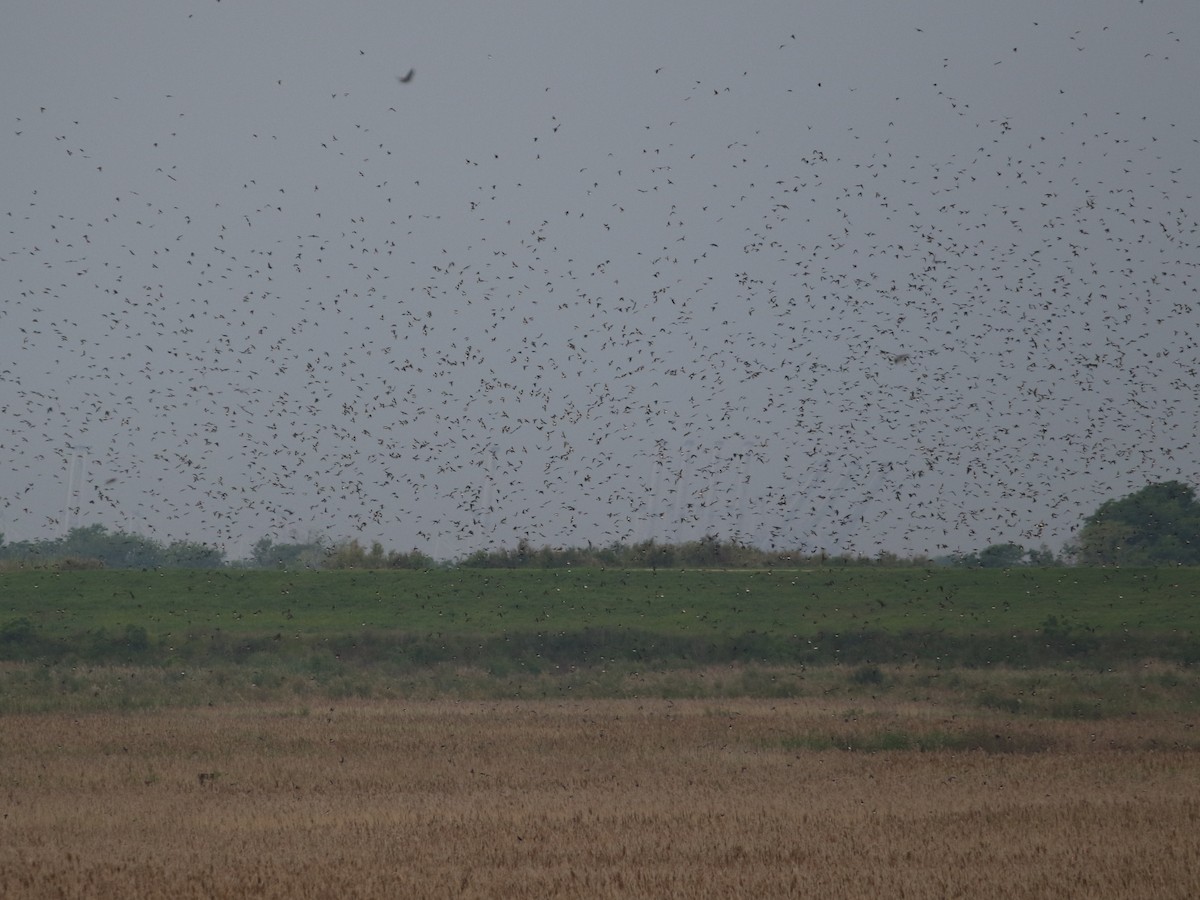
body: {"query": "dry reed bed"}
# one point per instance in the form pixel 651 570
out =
pixel 594 799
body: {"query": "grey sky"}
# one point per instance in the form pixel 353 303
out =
pixel 852 276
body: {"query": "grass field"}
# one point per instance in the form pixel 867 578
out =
pixel 119 639
pixel 669 601
pixel 621 798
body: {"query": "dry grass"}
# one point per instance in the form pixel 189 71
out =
pixel 630 798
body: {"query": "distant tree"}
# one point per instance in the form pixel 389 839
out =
pixel 347 555
pixel 94 546
pixel 709 551
pixel 86 542
pixel 1044 556
pixel 650 555
pixel 1001 556
pixel 308 555
pixel 191 555
pixel 887 558
pixel 414 559
pixel 351 555
pixel 116 549
pixel 996 556
pixel 1156 526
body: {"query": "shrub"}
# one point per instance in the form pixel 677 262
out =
pixel 867 675
pixel 17 633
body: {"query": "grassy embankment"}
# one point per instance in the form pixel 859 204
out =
pixel 101 638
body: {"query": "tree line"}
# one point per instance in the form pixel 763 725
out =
pixel 95 547
pixel 1156 526
pixel 708 552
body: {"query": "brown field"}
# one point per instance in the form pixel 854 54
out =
pixel 605 798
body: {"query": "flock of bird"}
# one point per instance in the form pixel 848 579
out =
pixel 941 327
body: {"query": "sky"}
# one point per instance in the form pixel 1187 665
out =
pixel 841 276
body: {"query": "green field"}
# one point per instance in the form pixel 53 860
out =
pixel 780 605
pixel 1112 641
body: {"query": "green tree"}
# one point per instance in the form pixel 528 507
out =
pixel 116 549
pixel 269 555
pixel 1001 556
pixel 347 555
pixel 1156 526
pixel 414 559
pixel 1044 556
pixel 996 556
pixel 192 555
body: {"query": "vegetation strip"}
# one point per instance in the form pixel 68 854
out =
pixel 594 617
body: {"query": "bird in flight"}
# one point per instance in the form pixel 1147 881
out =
pixel 405 79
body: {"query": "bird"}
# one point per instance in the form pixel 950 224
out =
pixel 407 77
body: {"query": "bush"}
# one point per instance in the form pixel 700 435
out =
pixel 137 640
pixel 17 633
pixel 867 675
